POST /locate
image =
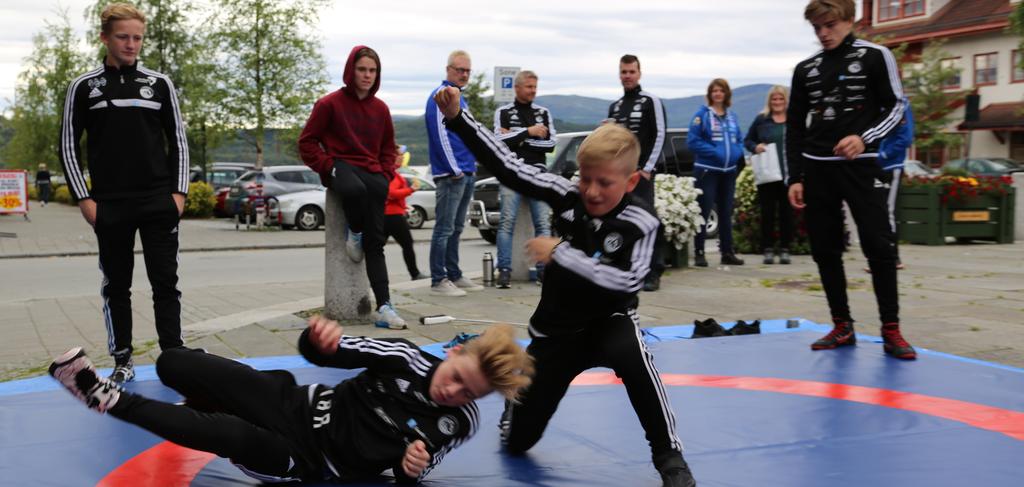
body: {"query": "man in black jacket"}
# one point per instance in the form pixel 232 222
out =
pixel 404 412
pixel 845 100
pixel 529 130
pixel 138 165
pixel 643 114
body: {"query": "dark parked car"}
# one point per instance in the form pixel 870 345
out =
pixel 989 166
pixel 274 180
pixel 676 158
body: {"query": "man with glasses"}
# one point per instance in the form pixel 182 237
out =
pixel 452 166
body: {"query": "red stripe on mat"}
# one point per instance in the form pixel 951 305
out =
pixel 1005 421
pixel 170 465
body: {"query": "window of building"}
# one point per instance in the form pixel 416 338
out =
pixel 1017 72
pixel 985 69
pixel 910 81
pixel 900 9
pixel 1017 146
pixel 953 81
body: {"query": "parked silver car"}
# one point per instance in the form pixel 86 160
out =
pixel 275 180
pixel 304 210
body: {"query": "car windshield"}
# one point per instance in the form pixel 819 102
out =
pixel 560 144
pixel 1002 163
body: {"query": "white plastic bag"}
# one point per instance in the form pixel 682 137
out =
pixel 767 168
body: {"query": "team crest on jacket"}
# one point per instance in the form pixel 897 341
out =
pixel 146 92
pixel 447 424
pixel 612 242
pixel 855 67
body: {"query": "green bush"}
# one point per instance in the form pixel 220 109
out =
pixel 746 226
pixel 200 201
pixel 61 194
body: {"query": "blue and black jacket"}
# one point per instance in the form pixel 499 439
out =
pixel 893 149
pixel 448 154
pixel 716 141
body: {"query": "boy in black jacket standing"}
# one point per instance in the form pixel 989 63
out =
pixel 845 100
pixel 138 164
pixel 587 312
pixel 404 412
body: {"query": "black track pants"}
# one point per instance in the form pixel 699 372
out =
pixel 395 226
pixel 774 202
pixel 155 218
pixel 615 342
pixel 362 199
pixel 863 185
pixel 255 419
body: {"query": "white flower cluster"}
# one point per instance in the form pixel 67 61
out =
pixel 675 199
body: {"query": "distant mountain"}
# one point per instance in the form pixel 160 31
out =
pixel 747 101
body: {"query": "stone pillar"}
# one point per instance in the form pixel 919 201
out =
pixel 1018 215
pixel 346 295
pixel 523 231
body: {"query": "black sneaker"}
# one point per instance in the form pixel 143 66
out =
pixel 504 279
pixel 123 372
pixel 75 372
pixel 784 256
pixel 675 472
pixel 743 328
pixel 652 283
pixel 699 260
pixel 894 344
pixel 708 328
pixel 842 334
pixel 505 423
pixel 769 257
pixel 731 259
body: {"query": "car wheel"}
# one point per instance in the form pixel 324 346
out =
pixel 490 235
pixel 415 217
pixel 712 224
pixel 309 218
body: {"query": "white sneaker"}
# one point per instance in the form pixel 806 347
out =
pixel 76 373
pixel 387 317
pixel 446 288
pixel 467 285
pixel 354 246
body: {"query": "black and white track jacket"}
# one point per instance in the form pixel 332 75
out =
pixel 365 423
pixel 643 114
pixel 854 89
pixel 517 117
pixel 136 140
pixel 600 266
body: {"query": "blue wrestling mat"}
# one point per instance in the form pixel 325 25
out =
pixel 751 410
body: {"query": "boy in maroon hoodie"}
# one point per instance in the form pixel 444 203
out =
pixel 350 141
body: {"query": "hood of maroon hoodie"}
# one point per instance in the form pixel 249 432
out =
pixel 349 76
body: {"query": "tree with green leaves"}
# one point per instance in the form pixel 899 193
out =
pixel 40 92
pixel 270 69
pixel 932 103
pixel 482 107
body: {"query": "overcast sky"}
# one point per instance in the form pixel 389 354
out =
pixel 573 45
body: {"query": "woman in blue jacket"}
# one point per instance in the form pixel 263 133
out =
pixel 716 141
pixel 769 127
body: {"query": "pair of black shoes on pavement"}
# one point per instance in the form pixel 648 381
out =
pixel 711 328
pixel 699 260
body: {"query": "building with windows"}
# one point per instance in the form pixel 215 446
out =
pixel 988 55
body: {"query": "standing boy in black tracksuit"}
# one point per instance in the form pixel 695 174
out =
pixel 587 311
pixel 138 164
pixel 404 412
pixel 643 114
pixel 845 100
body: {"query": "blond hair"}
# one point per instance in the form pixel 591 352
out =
pixel 506 365
pixel 119 11
pixel 841 9
pixel 524 75
pixel 607 144
pixel 456 54
pixel 782 90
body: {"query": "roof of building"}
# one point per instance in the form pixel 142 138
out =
pixel 956 18
pixel 998 116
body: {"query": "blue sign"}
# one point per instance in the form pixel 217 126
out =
pixel 506 82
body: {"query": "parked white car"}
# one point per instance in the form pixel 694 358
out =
pixel 304 210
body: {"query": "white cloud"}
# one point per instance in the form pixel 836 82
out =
pixel 573 45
